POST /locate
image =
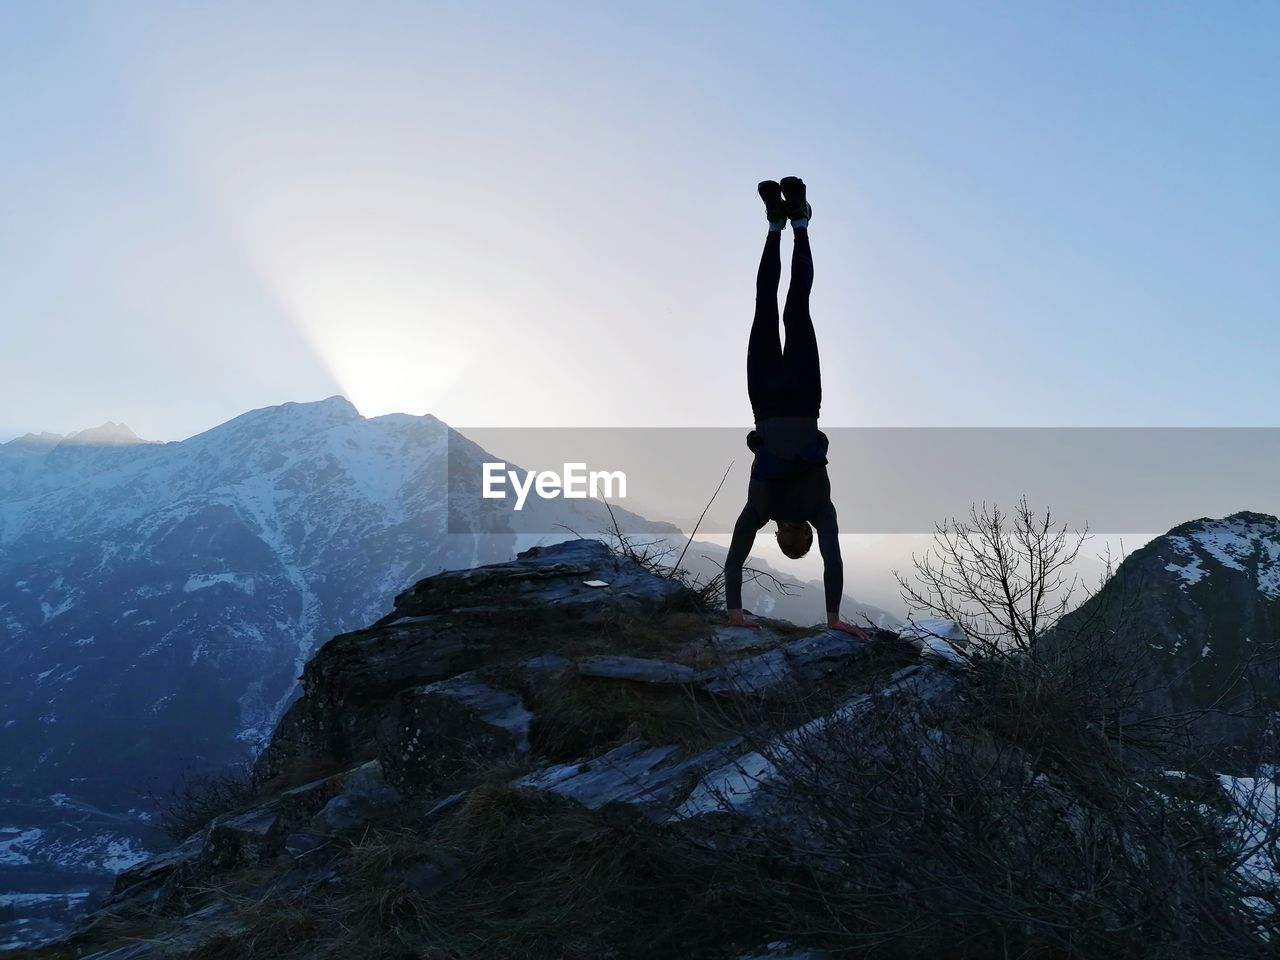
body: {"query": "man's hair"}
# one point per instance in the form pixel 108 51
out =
pixel 795 539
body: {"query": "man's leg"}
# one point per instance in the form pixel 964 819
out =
pixel 764 349
pixel 800 360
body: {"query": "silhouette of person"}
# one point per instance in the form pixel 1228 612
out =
pixel 789 482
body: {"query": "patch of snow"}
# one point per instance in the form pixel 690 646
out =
pixel 1191 572
pixel 107 851
pixel 935 648
pixel 1236 544
pixel 937 627
pixel 17 844
pixel 1269 569
pixel 121 853
pixel 50 611
pixel 35 899
pixel 202 581
pixel 937 638
pixel 1226 542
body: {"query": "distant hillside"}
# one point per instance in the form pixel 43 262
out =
pixel 1205 598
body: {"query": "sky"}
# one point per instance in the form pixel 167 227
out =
pixel 545 214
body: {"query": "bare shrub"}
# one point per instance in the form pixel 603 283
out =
pixel 1005 579
pixel 196 798
pixel 1002 578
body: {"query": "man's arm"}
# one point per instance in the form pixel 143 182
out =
pixel 744 535
pixel 833 568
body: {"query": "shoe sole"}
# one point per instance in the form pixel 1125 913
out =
pixel 770 192
pixel 793 212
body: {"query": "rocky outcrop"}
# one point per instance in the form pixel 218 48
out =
pixel 436 730
pixel 456 622
pixel 796 661
pixel 1199 609
pixel 462 676
pixel 648 779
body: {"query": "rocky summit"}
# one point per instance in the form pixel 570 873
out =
pixel 570 755
pixel 571 674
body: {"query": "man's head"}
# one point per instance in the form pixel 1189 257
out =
pixel 795 537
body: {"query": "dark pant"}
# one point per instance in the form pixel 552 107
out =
pixel 784 382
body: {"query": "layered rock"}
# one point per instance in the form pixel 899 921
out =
pixel 360 689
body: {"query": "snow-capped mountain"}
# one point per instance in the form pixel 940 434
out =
pixel 1244 543
pixel 158 601
pixel 1204 599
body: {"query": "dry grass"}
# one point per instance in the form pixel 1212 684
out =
pixel 666 635
pixel 517 875
pixel 579 716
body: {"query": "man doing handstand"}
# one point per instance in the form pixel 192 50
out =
pixel 789 482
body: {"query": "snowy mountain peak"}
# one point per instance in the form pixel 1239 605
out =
pixel 336 407
pixel 1245 542
pixel 290 419
pixel 1262 523
pixel 110 434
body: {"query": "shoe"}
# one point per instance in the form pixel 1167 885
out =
pixel 771 193
pixel 794 203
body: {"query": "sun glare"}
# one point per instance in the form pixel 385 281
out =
pixel 393 346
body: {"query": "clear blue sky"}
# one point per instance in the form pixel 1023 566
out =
pixel 1048 213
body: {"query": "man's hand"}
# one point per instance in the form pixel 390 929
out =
pixel 835 623
pixel 736 619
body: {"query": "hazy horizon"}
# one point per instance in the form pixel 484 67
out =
pixel 872 560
